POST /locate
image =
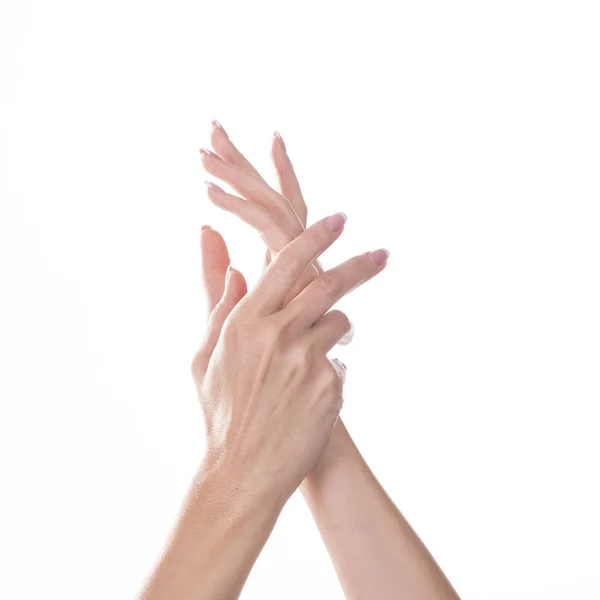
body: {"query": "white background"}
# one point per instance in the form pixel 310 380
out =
pixel 464 136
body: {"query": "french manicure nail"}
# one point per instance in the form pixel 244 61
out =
pixel 213 186
pixel 206 152
pixel 218 125
pixel 336 222
pixel 278 135
pixel 379 256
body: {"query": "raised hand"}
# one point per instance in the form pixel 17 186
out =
pixel 270 395
pixel 278 217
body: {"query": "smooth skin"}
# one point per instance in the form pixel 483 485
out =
pixel 270 398
pixel 375 552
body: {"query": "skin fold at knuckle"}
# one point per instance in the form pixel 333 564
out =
pixel 329 284
pixel 281 266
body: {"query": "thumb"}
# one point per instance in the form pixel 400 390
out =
pixel 215 260
pixel 235 289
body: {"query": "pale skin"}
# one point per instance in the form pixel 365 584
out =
pixel 263 367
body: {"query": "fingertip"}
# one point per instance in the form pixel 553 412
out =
pixel 218 127
pixel 213 187
pixel 277 136
pixel 380 257
pixel 336 222
pixel 235 284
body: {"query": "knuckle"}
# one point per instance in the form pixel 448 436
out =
pixel 329 283
pixel 195 365
pixel 270 331
pixel 330 377
pixel 282 265
pixel 361 264
pixel 343 321
pixel 238 330
pixel 198 364
pixel 299 358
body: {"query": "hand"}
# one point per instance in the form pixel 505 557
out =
pixel 270 395
pixel 279 218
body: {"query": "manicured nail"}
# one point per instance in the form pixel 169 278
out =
pixel 336 222
pixel 218 125
pixel 379 256
pixel 205 227
pixel 278 135
pixel 213 186
pixel 206 152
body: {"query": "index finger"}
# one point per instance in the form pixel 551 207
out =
pixel 318 297
pixel 227 150
pixel 283 272
pixel 288 182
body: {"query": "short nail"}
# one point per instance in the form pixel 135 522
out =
pixel 206 152
pixel 213 186
pixel 336 222
pixel 205 227
pixel 278 135
pixel 379 256
pixel 218 125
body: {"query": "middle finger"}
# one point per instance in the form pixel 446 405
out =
pixel 253 188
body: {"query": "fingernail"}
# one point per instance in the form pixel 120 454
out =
pixel 213 186
pixel 206 152
pixel 227 274
pixel 218 125
pixel 379 256
pixel 278 135
pixel 205 227
pixel 336 222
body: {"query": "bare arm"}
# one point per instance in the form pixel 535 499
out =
pixel 217 539
pixel 375 552
pixel 270 398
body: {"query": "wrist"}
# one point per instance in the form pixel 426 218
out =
pixel 339 451
pixel 237 492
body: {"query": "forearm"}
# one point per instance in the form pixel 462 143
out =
pixel 221 530
pixel 374 550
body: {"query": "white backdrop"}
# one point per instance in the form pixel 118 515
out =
pixel 464 136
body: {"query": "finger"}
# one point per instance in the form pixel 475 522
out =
pixel 307 277
pixel 281 274
pixel 340 368
pixel 317 298
pixel 227 150
pixel 266 224
pixel 253 189
pixel 235 290
pixel 215 260
pixel 333 328
pixel 288 182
